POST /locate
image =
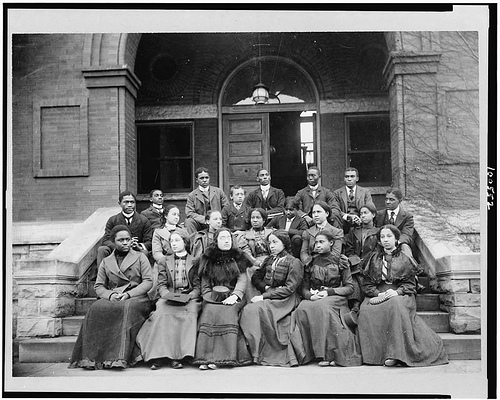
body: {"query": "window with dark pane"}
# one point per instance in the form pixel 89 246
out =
pixel 164 157
pixel 369 148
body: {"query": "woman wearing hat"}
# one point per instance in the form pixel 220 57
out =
pixel 319 329
pixel 169 334
pixel 390 331
pixel 222 270
pixel 107 336
pixel 360 242
pixel 266 322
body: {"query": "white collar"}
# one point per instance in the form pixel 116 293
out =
pixel 181 254
pixel 157 206
pixel 314 187
pixel 202 189
pixel 128 215
pixel 322 226
pixel 353 188
pixel 265 188
pixel 237 206
pixel 395 211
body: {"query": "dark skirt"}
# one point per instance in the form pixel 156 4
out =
pixel 169 332
pixel 393 329
pixel 266 326
pixel 107 336
pixel 319 332
pixel 220 340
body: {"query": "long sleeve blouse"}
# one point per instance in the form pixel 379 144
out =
pixel 324 273
pixel 283 274
pixel 401 271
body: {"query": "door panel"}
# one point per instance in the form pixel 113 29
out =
pixel 245 149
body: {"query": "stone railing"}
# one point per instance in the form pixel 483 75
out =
pixel 457 266
pixel 46 286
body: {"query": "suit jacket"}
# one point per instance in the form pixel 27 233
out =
pixel 353 245
pixel 195 205
pixel 274 204
pixel 153 215
pixel 306 199
pixel 404 222
pixel 297 226
pixel 362 197
pixel 236 219
pixel 308 240
pixel 134 276
pixel 166 273
pixel 161 242
pixel 140 227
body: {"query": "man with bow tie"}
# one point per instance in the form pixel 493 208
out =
pixel 201 200
pixel 313 193
pixel 139 226
pixel 269 198
pixel 350 198
pixel 154 212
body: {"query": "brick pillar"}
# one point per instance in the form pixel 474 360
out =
pixel 413 106
pixel 112 94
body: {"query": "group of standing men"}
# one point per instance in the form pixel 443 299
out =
pixel 345 203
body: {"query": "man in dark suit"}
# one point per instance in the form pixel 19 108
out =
pixel 395 215
pixel 267 197
pixel 155 211
pixel 139 226
pixel 291 223
pixel 313 193
pixel 201 200
pixel 349 199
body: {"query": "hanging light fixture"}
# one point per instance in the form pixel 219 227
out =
pixel 260 93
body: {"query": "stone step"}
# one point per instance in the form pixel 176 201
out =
pixel 439 321
pixel 52 350
pixel 71 325
pixel 462 347
pixel 83 304
pixel 428 302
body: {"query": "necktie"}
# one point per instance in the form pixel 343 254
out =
pixel 207 200
pixel 264 194
pixel 392 220
pixel 351 195
pixel 129 220
pixel 313 193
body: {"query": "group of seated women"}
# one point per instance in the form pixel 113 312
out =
pixel 221 298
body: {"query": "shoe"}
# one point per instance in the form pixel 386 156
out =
pixel 155 366
pixel 420 288
pixel 324 363
pixel 212 366
pixel 332 364
pixel 203 367
pixel 390 362
pixel 176 365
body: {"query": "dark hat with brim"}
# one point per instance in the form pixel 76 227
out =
pixel 355 263
pixel 350 320
pixel 217 295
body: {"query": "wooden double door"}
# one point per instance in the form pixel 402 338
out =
pixel 246 149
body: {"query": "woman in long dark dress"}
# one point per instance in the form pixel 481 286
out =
pixel 266 322
pixel 220 341
pixel 107 336
pixel 360 242
pixel 390 331
pixel 318 328
pixel 169 334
